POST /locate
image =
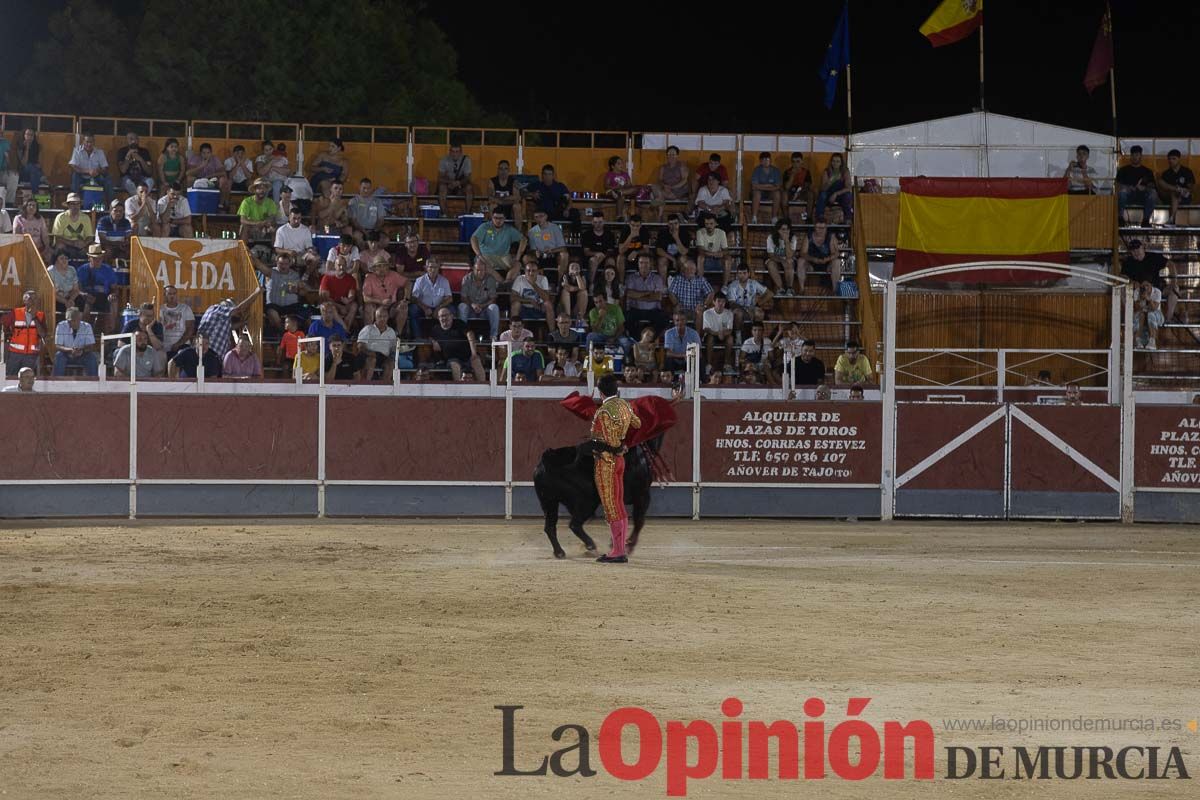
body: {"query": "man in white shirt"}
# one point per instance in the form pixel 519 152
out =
pixel 178 322
pixel 347 249
pixel 430 292
pixel 517 332
pixel 715 199
pixel 718 327
pixel 90 165
pixel 26 377
pixel 756 353
pixel 531 298
pixel 240 170
pixel 139 210
pixel 376 348
pixel 712 248
pixel 173 215
pixel 747 297
pixel 296 238
pixel 75 345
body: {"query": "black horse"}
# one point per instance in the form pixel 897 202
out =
pixel 565 475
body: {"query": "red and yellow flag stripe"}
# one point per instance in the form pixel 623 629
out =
pixel 952 21
pixel 959 220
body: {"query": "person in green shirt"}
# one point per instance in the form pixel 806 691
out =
pixel 257 213
pixel 852 366
pixel 493 242
pixel 607 322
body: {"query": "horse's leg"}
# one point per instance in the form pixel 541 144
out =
pixel 641 504
pixel 578 516
pixel 550 509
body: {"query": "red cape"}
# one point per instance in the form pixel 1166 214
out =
pixel 657 415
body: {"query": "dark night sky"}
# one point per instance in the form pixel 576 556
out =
pixel 631 66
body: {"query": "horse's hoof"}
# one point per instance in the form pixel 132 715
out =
pixel 591 551
pixel 560 554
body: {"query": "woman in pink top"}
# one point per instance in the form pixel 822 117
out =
pixel 618 184
pixel 242 362
pixel 30 221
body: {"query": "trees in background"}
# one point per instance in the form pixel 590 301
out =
pixel 368 61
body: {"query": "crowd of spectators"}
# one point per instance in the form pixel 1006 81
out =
pixel 639 295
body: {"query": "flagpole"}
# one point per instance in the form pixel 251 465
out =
pixel 987 166
pixel 1112 73
pixel 849 94
pixel 982 104
pixel 1112 90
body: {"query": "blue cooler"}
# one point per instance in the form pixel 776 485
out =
pixel 204 201
pixel 325 242
pixel 467 224
pixel 431 212
pixel 92 196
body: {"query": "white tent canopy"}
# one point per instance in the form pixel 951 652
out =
pixel 976 145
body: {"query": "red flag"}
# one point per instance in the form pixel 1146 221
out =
pixel 1102 54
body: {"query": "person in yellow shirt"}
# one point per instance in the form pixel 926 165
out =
pixel 308 362
pixel 72 230
pixel 852 366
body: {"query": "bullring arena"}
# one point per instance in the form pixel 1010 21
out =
pixel 256 658
pixel 962 561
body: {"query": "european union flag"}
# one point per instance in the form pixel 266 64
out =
pixel 837 56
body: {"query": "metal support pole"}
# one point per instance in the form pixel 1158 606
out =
pixel 1127 413
pixel 411 160
pixel 888 473
pixel 1114 348
pixel 1001 374
pixel 321 439
pixel 299 375
pixel 694 352
pixel 133 431
pixel 738 188
pixel 508 440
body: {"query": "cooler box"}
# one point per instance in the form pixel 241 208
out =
pixel 467 224
pixel 325 242
pixel 204 201
pixel 431 212
pixel 92 196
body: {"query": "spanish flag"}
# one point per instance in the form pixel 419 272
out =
pixel 960 220
pixel 953 20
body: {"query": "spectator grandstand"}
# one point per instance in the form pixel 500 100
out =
pixel 680 220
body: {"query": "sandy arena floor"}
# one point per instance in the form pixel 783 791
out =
pixel 352 660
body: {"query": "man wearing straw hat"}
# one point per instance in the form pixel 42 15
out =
pixel 72 230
